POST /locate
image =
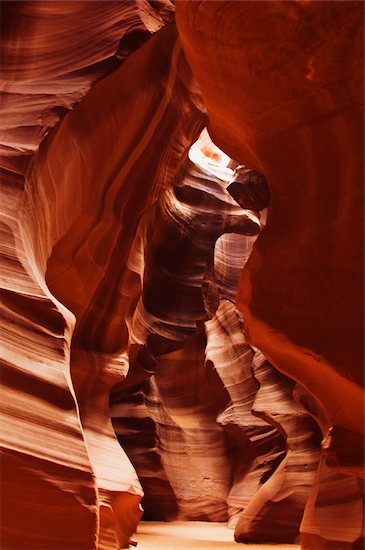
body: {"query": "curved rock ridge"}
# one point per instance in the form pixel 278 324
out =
pixel 97 225
pixel 216 450
pixel 63 449
pixel 43 446
pixel 195 457
pixel 283 89
pixel 308 104
pixel 260 447
pixel 179 236
pixel 43 77
pixel 135 426
pixel 271 502
pixel 275 511
pixel 174 256
pixel 86 267
pixel 121 260
pixel 192 399
pixel 48 489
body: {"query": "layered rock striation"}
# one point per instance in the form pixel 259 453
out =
pixel 283 90
pixel 121 260
pixel 201 384
pixel 59 441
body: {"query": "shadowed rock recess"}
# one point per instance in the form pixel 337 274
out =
pixel 182 320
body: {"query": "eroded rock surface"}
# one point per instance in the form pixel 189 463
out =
pixel 283 91
pixel 59 440
pixel 203 382
pixel 121 262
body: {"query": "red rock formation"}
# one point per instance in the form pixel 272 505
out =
pixel 83 302
pixel 264 504
pixel 282 87
pixel 69 458
pixel 206 383
pixel 137 433
pixel 174 256
pixel 276 509
pixel 260 447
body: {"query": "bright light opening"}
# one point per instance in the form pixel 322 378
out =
pixel 207 155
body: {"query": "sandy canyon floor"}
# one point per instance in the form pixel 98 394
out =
pixel 181 535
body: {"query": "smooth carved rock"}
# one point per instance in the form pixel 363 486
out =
pixel 263 449
pixel 174 255
pixel 344 450
pixel 285 120
pixel 44 457
pixel 192 401
pixel 177 241
pixel 275 511
pixel 185 395
pixel 68 408
pixel 86 268
pixel 334 512
pixel 230 255
pixel 44 451
pixel 281 85
pixel 43 77
pixel 137 434
pixel 186 402
pixel 283 90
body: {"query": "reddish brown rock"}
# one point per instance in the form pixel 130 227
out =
pixel 282 87
pixel 300 98
pixel 206 383
pixel 259 446
pixel 173 253
pixel 275 512
pixel 64 449
pixel 137 434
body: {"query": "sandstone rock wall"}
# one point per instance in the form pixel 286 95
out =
pixel 283 90
pixel 93 139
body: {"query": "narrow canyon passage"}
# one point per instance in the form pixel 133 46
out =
pixel 182 274
pixel 209 424
pixel 194 536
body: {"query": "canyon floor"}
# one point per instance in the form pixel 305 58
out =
pixel 191 535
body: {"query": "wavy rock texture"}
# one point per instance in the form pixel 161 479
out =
pixel 195 458
pixel 135 416
pixel 283 91
pixel 52 53
pixel 173 254
pixel 121 261
pixel 259 447
pixel 179 236
pixel 272 503
pixel 59 442
pixel 215 453
pixel 276 509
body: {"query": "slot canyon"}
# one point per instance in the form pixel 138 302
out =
pixel 182 274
